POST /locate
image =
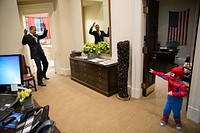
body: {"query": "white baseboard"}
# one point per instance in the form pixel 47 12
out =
pixel 63 71
pixel 193 114
pixel 129 90
pixel 135 92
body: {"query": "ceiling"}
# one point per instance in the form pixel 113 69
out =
pixel 91 2
pixel 24 2
pixel 85 2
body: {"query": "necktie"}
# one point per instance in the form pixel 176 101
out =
pixel 99 33
pixel 35 37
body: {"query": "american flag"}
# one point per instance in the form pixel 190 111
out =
pixel 178 26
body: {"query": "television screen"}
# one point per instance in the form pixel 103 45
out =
pixel 11 70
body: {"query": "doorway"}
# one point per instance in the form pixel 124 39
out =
pixel 37 20
pixel 41 12
pixel 160 38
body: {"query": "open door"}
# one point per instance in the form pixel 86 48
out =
pixel 150 44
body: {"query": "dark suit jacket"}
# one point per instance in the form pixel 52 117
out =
pixel 35 47
pixel 97 37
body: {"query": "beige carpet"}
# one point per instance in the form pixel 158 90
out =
pixel 78 109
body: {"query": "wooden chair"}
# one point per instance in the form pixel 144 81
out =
pixel 27 75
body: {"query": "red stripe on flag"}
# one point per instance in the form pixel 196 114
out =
pixel 168 33
pixel 180 27
pixel 171 33
pixel 183 32
pixel 186 32
pixel 176 33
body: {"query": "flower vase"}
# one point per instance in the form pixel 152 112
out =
pixel 28 103
pixel 91 56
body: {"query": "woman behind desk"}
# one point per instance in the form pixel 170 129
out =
pixel 188 65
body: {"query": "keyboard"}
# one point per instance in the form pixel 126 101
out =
pixel 7 100
pixel 5 112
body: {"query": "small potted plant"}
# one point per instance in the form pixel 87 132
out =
pixel 25 97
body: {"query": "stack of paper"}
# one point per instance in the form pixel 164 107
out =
pixel 108 62
pixel 97 60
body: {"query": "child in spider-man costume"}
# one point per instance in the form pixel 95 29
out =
pixel 176 91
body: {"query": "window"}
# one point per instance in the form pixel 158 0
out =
pixel 38 25
pixel 37 20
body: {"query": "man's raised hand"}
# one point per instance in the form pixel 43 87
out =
pixel 43 25
pixel 25 32
pixel 93 24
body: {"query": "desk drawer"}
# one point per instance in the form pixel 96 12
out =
pixel 102 84
pixel 101 72
pixel 102 79
pixel 83 64
pixel 89 68
pixel 87 78
pixel 75 74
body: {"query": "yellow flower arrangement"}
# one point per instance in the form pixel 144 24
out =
pixel 104 47
pixel 24 94
pixel 95 49
pixel 90 48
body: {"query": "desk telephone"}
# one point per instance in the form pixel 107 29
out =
pixel 36 121
pixel 46 127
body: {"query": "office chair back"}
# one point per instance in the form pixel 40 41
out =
pixel 172 45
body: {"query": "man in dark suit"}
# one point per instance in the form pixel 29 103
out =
pixel 37 53
pixel 98 34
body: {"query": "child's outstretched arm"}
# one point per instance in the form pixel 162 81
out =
pixel 160 74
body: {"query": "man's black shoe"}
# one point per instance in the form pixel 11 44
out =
pixel 42 84
pixel 46 78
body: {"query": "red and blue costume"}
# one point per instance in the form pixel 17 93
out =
pixel 176 91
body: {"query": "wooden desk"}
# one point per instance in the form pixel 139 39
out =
pixel 165 61
pixel 18 109
pixel 101 78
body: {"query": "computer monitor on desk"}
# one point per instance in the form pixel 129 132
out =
pixel 10 70
pixel 164 49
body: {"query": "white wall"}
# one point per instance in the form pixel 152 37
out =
pixel 193 112
pixel 77 27
pixel 127 24
pixel 69 33
pixel 177 5
pixel 121 23
pixel 10 29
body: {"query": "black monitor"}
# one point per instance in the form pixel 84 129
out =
pixel 11 70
